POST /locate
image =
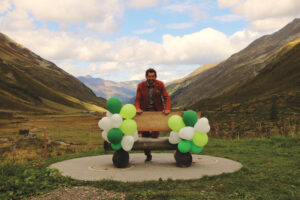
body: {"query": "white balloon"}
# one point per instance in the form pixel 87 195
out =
pixel 135 136
pixel 127 142
pixel 108 114
pixel 174 137
pixel 202 125
pixel 105 123
pixel 116 120
pixel 186 133
pixel 104 136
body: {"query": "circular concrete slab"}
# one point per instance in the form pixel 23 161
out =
pixel 162 166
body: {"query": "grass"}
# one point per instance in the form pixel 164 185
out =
pixel 80 130
pixel 270 171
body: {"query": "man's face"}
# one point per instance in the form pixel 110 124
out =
pixel 151 77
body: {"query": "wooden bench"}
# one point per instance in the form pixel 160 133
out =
pixel 151 121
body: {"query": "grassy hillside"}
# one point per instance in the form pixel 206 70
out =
pixel 266 104
pixel 30 83
pixel 177 85
pixel 236 70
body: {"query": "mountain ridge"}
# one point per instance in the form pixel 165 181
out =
pixel 237 69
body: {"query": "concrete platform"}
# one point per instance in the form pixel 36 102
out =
pixel 162 166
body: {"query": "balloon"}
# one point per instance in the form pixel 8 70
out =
pixel 128 126
pixel 108 114
pixel 135 136
pixel 200 139
pixel 174 137
pixel 186 133
pixel 116 120
pixel 128 111
pixel 114 105
pixel 116 146
pixel 184 146
pixel 127 142
pixel 190 118
pixel 196 149
pixel 105 123
pixel 202 125
pixel 176 123
pixel 104 136
pixel 115 135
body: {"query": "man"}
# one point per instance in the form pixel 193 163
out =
pixel 151 95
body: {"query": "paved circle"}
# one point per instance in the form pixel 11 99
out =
pixel 162 166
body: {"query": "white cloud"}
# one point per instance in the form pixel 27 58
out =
pixel 241 39
pixel 199 47
pixel 131 53
pixel 143 31
pixel 4 5
pixel 265 15
pixel 16 20
pixel 270 23
pixel 228 18
pixel 102 15
pixel 256 9
pixel 152 22
pixel 180 25
pixel 141 4
pixel 196 11
pixel 227 3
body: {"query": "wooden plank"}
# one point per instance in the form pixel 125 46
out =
pixel 161 143
pixel 154 121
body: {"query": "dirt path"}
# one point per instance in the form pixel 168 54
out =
pixel 80 193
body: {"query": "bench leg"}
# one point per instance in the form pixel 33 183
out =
pixel 121 158
pixel 183 159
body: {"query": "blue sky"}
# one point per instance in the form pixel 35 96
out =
pixel 119 39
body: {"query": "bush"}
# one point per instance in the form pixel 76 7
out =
pixel 19 180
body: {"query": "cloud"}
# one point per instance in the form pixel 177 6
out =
pixel 132 53
pixel 141 4
pixel 227 3
pixel 101 15
pixel 228 18
pixel 17 20
pixel 265 15
pixel 4 6
pixel 180 25
pixel 143 31
pixel 152 22
pixel 196 11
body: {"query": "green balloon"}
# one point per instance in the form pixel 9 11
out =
pixel 128 126
pixel 128 111
pixel 184 146
pixel 113 105
pixel 190 118
pixel 176 123
pixel 116 146
pixel 115 135
pixel 200 139
pixel 196 149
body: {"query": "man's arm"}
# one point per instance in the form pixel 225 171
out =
pixel 138 100
pixel 167 99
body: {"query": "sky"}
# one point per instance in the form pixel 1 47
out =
pixel 119 39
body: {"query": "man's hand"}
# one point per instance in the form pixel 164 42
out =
pixel 139 111
pixel 166 111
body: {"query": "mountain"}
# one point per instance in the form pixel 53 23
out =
pixel 263 105
pixel 31 83
pixel 176 85
pixel 125 91
pixel 237 69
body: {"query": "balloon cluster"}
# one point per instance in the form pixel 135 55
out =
pixel 119 129
pixel 189 132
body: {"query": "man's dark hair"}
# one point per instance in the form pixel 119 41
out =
pixel 151 70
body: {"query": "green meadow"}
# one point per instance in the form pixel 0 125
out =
pixel 271 168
